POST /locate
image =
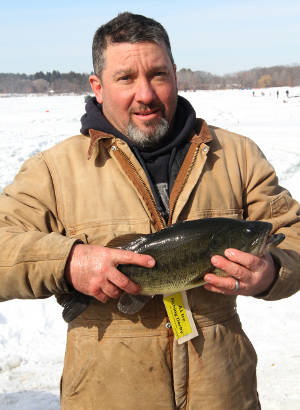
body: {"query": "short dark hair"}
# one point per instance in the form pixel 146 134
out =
pixel 127 28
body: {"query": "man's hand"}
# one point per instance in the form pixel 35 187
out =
pixel 255 274
pixel 92 269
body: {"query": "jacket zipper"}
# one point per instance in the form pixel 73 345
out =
pixel 129 162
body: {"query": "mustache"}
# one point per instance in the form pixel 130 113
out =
pixel 148 108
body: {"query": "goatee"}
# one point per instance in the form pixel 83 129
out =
pixel 158 129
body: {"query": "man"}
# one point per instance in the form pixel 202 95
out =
pixel 143 161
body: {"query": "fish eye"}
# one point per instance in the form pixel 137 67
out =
pixel 248 231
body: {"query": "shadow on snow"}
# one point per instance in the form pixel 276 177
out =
pixel 29 400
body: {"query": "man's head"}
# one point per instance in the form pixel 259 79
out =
pixel 127 28
pixel 135 78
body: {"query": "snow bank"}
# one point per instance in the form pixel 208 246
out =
pixel 32 333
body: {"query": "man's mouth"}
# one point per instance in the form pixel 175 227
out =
pixel 148 114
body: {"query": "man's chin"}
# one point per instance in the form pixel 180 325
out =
pixel 147 126
pixel 150 134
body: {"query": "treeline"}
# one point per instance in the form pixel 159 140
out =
pixel 260 77
pixel 56 82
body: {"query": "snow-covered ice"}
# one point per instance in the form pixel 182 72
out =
pixel 32 333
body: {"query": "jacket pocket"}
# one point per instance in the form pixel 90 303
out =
pixel 102 232
pixel 279 205
pixel 216 213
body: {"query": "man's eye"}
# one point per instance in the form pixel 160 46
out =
pixel 125 78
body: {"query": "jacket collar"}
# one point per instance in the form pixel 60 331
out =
pixel 202 135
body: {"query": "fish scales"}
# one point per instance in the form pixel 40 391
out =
pixel 171 272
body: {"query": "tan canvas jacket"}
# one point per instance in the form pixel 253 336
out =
pixel 92 190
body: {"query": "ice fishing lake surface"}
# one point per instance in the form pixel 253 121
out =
pixel 32 333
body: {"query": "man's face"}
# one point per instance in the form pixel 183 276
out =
pixel 138 90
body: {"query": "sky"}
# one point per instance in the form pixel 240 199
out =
pixel 215 36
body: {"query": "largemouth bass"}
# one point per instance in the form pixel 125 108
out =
pixel 183 254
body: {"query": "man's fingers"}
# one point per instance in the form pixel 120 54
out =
pixel 122 257
pixel 123 282
pixel 217 289
pixel 222 284
pixel 248 260
pixel 99 295
pixel 110 290
pixel 231 268
pixel 253 273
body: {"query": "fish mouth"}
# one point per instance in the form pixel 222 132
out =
pixel 274 240
pixel 265 242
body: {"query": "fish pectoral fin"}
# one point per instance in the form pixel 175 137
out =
pixel 219 272
pixel 131 304
pixel 198 281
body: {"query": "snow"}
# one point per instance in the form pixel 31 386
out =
pixel 32 333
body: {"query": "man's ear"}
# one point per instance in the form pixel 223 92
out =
pixel 175 70
pixel 96 87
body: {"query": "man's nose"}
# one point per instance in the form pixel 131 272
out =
pixel 144 92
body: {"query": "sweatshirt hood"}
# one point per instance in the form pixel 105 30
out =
pixel 184 123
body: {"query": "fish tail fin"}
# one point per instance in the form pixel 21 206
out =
pixel 131 304
pixel 73 303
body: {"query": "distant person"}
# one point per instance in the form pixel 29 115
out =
pixel 277 93
pixel 253 93
pixel 287 93
pixel 141 162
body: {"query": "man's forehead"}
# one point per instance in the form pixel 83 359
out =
pixel 125 53
pixel 123 70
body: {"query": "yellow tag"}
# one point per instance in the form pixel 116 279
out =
pixel 180 316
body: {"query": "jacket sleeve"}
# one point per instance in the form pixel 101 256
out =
pixel 34 249
pixel 266 200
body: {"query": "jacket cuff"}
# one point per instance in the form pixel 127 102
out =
pixel 268 291
pixel 287 280
pixel 63 286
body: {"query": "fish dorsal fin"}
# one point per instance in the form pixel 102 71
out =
pixel 131 304
pixel 127 241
